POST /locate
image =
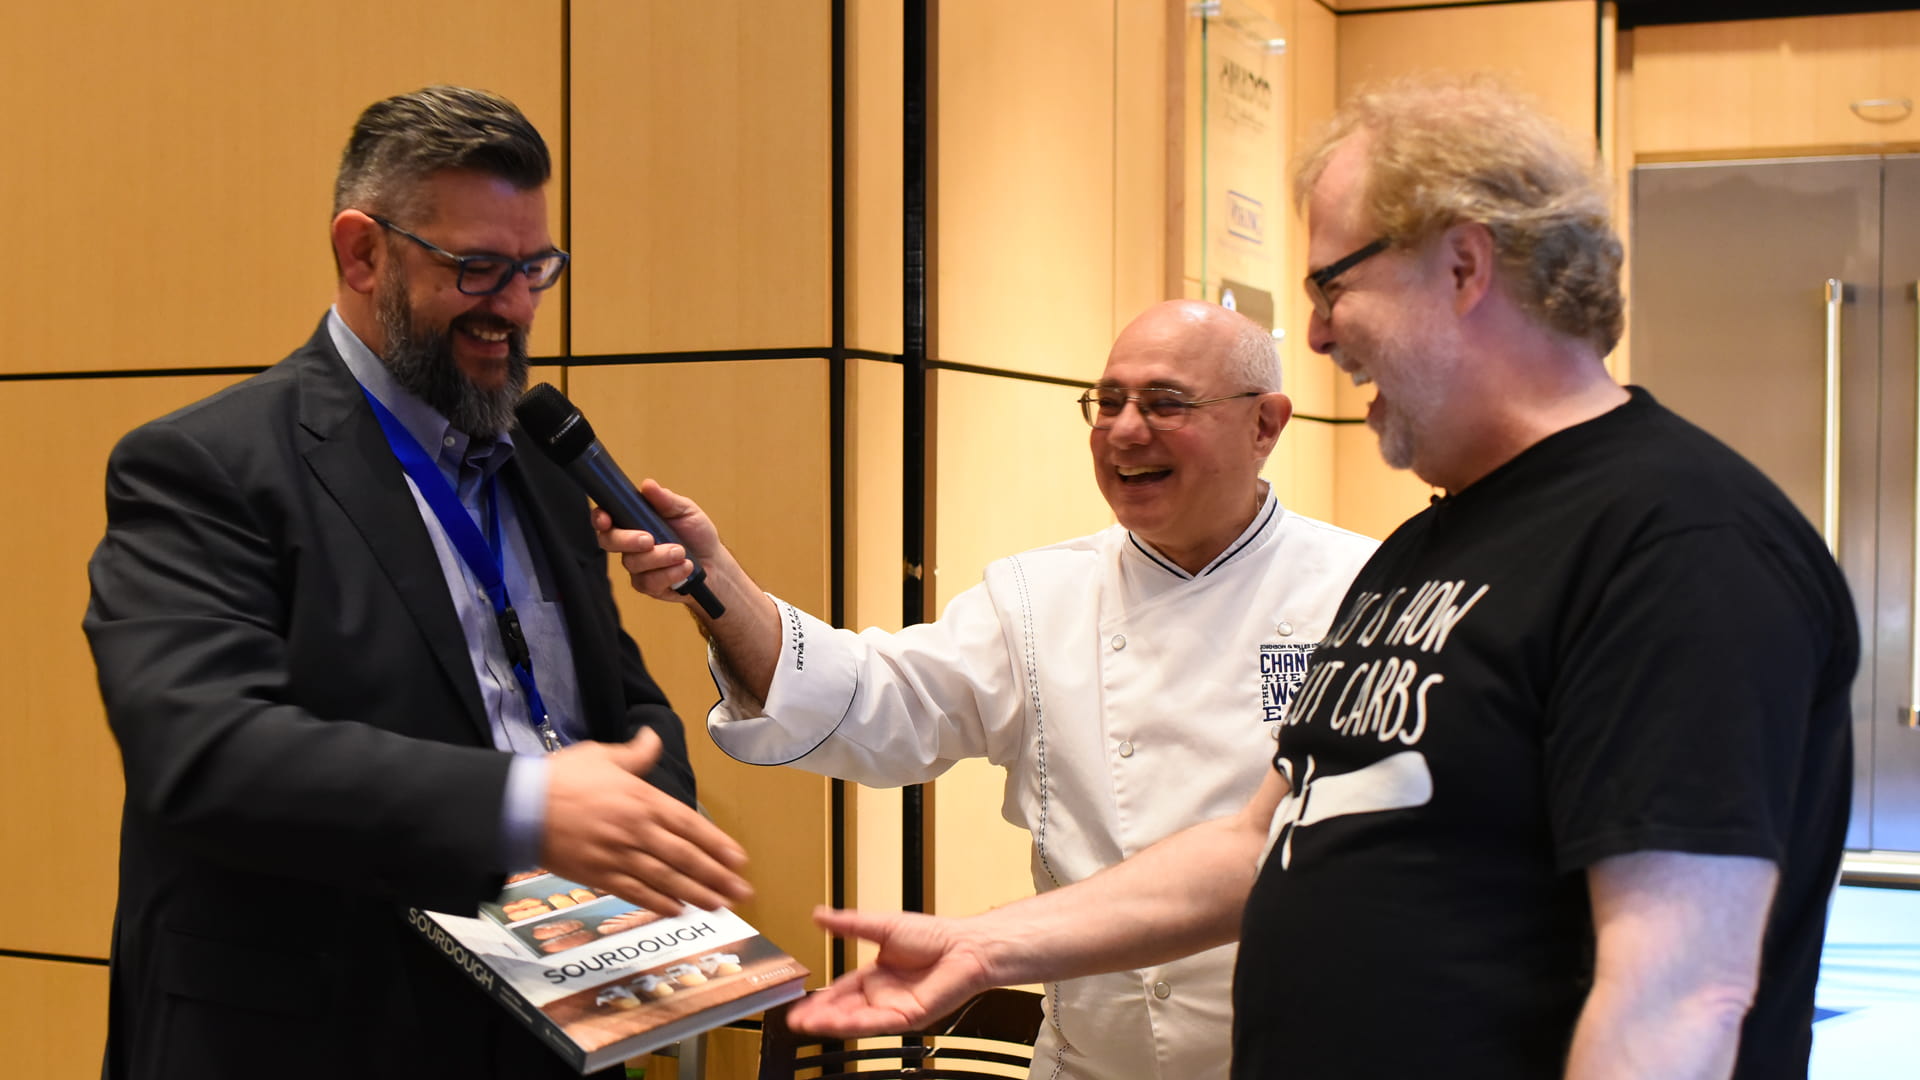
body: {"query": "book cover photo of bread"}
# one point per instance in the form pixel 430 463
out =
pixel 601 980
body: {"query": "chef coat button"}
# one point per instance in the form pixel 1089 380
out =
pixel 1126 749
pixel 1119 641
pixel 1161 990
pixel 1285 629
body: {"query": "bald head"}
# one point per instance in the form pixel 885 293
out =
pixel 1186 480
pixel 1205 339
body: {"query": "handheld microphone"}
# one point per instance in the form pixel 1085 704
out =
pixel 566 437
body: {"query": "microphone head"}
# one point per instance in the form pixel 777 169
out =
pixel 554 424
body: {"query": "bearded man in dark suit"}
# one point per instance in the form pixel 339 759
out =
pixel 320 694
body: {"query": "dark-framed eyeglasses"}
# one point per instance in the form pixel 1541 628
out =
pixel 1318 281
pixel 1162 407
pixel 484 275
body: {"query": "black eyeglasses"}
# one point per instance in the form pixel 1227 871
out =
pixel 1318 281
pixel 1162 407
pixel 484 275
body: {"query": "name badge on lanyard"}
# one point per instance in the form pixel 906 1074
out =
pixel 482 554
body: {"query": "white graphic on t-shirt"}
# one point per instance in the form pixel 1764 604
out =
pixel 1397 782
pixel 1385 697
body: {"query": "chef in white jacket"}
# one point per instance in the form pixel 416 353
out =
pixel 1129 681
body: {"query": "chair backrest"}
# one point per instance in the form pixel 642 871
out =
pixel 1009 1018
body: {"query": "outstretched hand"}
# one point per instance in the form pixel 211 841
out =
pixel 926 969
pixel 608 827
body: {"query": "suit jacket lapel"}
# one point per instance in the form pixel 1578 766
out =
pixel 353 462
pixel 552 504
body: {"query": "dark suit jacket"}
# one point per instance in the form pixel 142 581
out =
pixel 305 748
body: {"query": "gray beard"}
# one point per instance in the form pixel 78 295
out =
pixel 421 361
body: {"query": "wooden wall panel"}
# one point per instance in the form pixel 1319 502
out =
pixel 875 175
pixel 1766 86
pixel 754 456
pixel 1302 467
pixel 53 1019
pixel 701 199
pixel 1017 473
pixel 1547 49
pixel 1140 153
pixel 179 161
pixel 874 575
pixel 60 785
pixel 1024 192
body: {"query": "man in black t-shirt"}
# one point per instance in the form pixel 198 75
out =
pixel 1565 790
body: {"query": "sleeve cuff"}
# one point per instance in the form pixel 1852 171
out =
pixel 523 812
pixel 813 685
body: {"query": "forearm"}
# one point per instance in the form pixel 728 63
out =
pixel 1178 897
pixel 747 637
pixel 1676 964
pixel 1635 1032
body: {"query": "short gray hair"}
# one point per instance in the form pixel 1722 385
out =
pixel 401 141
pixel 1252 361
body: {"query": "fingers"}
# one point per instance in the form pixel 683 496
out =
pixel 639 754
pixel 846 1009
pixel 667 504
pixel 607 827
pixel 675 850
pixel 849 923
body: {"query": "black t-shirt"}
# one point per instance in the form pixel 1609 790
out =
pixel 1624 639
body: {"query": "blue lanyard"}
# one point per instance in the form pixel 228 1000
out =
pixel 481 554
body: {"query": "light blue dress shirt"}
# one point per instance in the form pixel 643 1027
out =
pixel 467 464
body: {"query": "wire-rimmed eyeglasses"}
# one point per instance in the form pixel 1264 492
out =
pixel 484 275
pixel 1162 407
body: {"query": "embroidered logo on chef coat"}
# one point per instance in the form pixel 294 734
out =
pixel 1283 668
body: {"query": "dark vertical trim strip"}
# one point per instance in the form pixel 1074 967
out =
pixel 566 173
pixel 1600 79
pixel 913 493
pixel 837 838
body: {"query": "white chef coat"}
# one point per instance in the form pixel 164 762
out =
pixel 1127 700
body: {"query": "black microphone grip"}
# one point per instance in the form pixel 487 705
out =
pixel 595 471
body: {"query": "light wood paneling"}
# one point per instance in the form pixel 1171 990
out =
pixel 1547 49
pixel 1775 85
pixel 60 784
pixel 180 157
pixel 1302 466
pixel 875 175
pixel 874 569
pixel 1368 497
pixel 53 1019
pixel 1139 160
pixel 1024 194
pixel 701 200
pixel 1018 474
pixel 754 456
pixel 1347 6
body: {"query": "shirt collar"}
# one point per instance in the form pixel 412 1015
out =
pixel 453 450
pixel 1262 525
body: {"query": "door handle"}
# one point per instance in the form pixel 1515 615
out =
pixel 1830 471
pixel 1910 716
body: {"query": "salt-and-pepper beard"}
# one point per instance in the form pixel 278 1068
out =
pixel 421 360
